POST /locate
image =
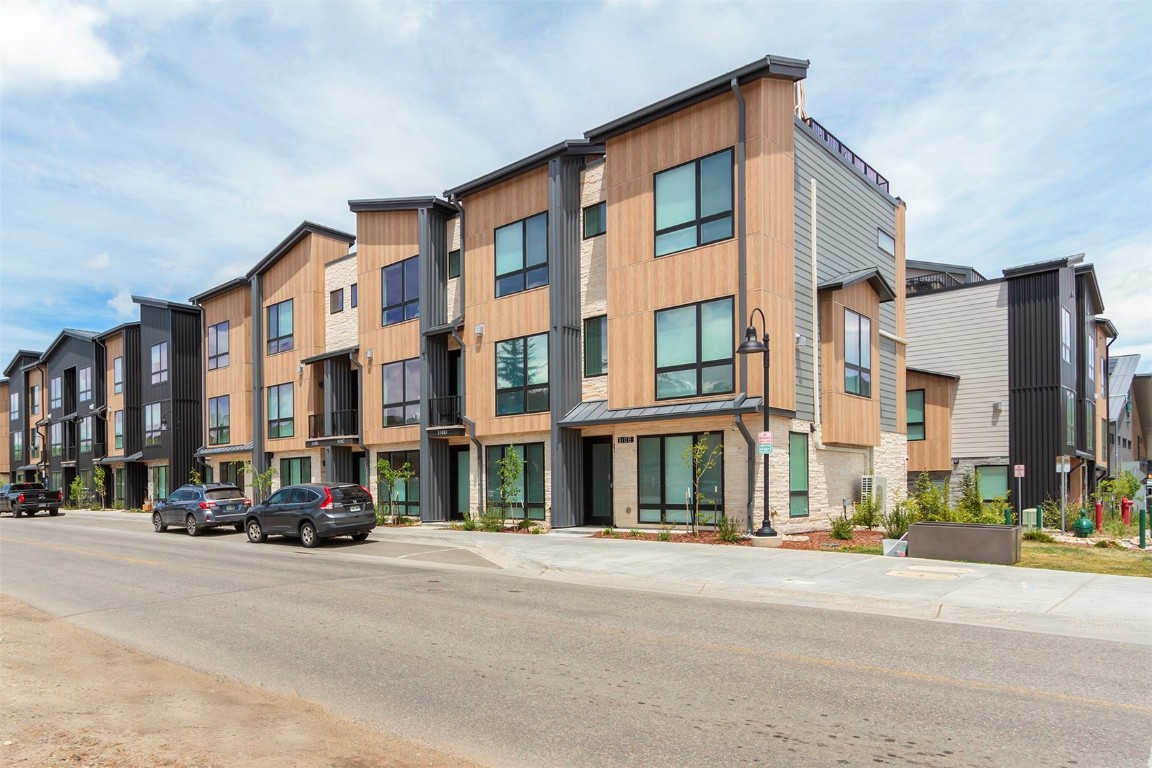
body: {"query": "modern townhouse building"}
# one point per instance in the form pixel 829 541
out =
pixel 1027 354
pixel 74 368
pixel 1142 399
pixel 25 409
pixel 6 474
pixel 1126 447
pixel 126 473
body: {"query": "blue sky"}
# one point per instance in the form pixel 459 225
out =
pixel 162 148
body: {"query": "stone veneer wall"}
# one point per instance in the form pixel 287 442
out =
pixel 342 329
pixel 593 273
pixel 454 297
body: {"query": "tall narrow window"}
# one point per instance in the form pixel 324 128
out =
pixel 152 418
pixel 18 447
pixel 218 420
pixel 118 375
pixel 55 393
pixel 336 301
pixel 401 291
pixel 857 354
pixel 1070 417
pixel 56 441
pixel 295 471
pixel 401 392
pixel 84 384
pixel 915 414
pixel 1066 334
pixel 522 375
pixel 354 295
pixel 34 399
pixel 14 406
pixel 694 203
pixel 694 350
pixel 159 363
pixel 1090 361
pixel 86 434
pixel 279 329
pixel 218 346
pixel 522 255
pixel 596 346
pixel 797 474
pixel 454 263
pixel 527 499
pixel 405 493
pixel 34 447
pixel 280 411
pixel 667 482
pixel 595 220
pixel 118 430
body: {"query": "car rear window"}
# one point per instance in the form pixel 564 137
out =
pixel 224 493
pixel 350 493
pixel 27 487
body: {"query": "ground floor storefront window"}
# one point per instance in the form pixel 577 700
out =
pixel 526 497
pixel 673 470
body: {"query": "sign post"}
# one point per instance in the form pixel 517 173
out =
pixel 1063 467
pixel 1018 473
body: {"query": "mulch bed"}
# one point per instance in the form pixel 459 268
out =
pixel 822 540
pixel 700 537
pixel 816 540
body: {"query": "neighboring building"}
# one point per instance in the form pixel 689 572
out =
pixel 6 474
pixel 928 276
pixel 931 404
pixel 127 474
pixel 74 368
pixel 1142 399
pixel 24 410
pixel 1126 447
pixel 1029 351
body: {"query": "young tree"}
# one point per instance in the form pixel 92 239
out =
pixel 700 458
pixel 261 481
pixel 98 478
pixel 392 478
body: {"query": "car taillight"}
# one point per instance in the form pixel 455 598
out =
pixel 20 498
pixel 59 495
pixel 247 502
pixel 368 492
pixel 327 499
pixel 207 504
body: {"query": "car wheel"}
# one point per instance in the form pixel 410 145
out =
pixel 16 512
pixel 53 512
pixel 308 535
pixel 359 536
pixel 30 512
pixel 158 523
pixel 239 526
pixel 190 524
pixel 256 533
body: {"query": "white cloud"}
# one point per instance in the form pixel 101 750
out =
pixel 99 262
pixel 122 305
pixel 52 43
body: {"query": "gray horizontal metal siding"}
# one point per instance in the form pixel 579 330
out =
pixel 887 385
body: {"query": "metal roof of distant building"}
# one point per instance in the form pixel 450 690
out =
pixel 222 449
pixel 593 412
pixel 1121 373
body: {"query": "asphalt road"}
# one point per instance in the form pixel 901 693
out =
pixel 440 647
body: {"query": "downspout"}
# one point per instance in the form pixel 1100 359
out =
pixel 360 410
pixel 202 461
pixel 1108 411
pixel 257 292
pixel 742 251
pixel 471 425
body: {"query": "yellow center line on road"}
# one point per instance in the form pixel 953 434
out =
pixel 78 550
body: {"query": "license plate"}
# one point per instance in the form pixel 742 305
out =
pixel 353 509
pixel 231 507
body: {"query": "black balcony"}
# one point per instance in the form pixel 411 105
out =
pixel 445 412
pixel 931 282
pixel 344 423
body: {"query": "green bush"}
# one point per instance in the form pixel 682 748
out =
pixel 665 534
pixel 1035 535
pixel 867 512
pixel 728 529
pixel 492 518
pixel 927 502
pixel 1108 544
pixel 897 522
pixel 1050 510
pixel 609 532
pixel 842 528
pixel 1115 528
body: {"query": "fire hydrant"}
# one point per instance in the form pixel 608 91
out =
pixel 1126 510
pixel 1099 516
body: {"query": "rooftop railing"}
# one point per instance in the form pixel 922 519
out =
pixel 931 282
pixel 842 149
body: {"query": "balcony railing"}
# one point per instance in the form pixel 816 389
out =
pixel 343 423
pixel 842 149
pixel 931 282
pixel 445 411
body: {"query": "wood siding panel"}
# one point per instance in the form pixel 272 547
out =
pixel 114 348
pixel 964 332
pixel 234 379
pixel 934 452
pixel 847 419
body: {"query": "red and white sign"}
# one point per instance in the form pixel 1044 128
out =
pixel 764 438
pixel 1018 470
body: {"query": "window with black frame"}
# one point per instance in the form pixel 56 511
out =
pixel 218 346
pixel 400 291
pixel 281 411
pixel 527 497
pixel 219 432
pixel 401 396
pixel 596 346
pixel 405 495
pixel 84 384
pixel 857 354
pixel 522 375
pixel 118 430
pixel 118 375
pixel 152 419
pixel 695 350
pixel 295 471
pixel 915 412
pixel 86 434
pixel 522 255
pixel 55 393
pixel 666 470
pixel 279 327
pixel 159 363
pixel 595 220
pixel 694 203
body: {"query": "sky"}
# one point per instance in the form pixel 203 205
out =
pixel 162 148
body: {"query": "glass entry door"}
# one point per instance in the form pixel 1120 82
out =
pixel 598 481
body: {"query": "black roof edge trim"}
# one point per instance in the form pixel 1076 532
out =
pixel 329 355
pixel 118 329
pixel 74 333
pixel 1044 266
pixel 19 354
pixel 401 204
pixel 567 147
pixel 305 228
pixel 879 284
pixel 1089 273
pixel 770 66
pixel 235 282
pixel 164 304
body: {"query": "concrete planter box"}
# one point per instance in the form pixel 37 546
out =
pixel 975 543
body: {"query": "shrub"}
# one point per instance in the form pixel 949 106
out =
pixel 609 532
pixel 970 507
pixel 1108 544
pixel 524 525
pixel 842 528
pixel 1035 535
pixel 469 524
pixel 76 493
pixel 1050 509
pixel 867 512
pixel 1115 528
pixel 728 529
pixel 897 522
pixel 118 505
pixel 665 534
pixel 492 518
pixel 929 502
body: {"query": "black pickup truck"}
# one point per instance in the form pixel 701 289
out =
pixel 29 498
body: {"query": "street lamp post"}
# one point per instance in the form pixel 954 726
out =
pixel 752 345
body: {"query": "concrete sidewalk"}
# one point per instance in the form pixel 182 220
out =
pixel 1055 602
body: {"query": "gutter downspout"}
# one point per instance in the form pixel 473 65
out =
pixel 256 288
pixel 742 250
pixel 360 410
pixel 471 425
pixel 1108 409
pixel 202 461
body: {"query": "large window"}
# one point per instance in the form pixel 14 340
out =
pixel 18 446
pixel 797 474
pixel 14 406
pixel 666 472
pixel 694 350
pixel 595 220
pixel 280 327
pixel 522 255
pixel 56 441
pixel 160 362
pixel 86 434
pixel 401 392
pixel 336 301
pixel 218 420
pixel 280 411
pixel 405 493
pixel 118 375
pixel 84 387
pixel 596 346
pixel 160 483
pixel 527 498
pixel 55 393
pixel 401 291
pixel 915 414
pixel 522 375
pixel 218 346
pixel 34 399
pixel 1066 334
pixel 857 354
pixel 118 430
pixel 295 471
pixel 993 481
pixel 152 419
pixel 694 203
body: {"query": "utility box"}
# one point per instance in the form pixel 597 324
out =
pixel 975 543
pixel 1030 518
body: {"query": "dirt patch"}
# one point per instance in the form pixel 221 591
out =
pixel 71 697
pixel 822 540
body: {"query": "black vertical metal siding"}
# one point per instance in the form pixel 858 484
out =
pixel 1035 396
pixel 184 374
pixel 436 373
pixel 341 466
pixel 564 374
pixel 154 329
pixel 133 415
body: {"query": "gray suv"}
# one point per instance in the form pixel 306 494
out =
pixel 313 512
pixel 197 507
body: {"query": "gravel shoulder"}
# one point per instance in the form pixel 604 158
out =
pixel 71 697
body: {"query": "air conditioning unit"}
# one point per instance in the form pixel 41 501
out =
pixel 874 485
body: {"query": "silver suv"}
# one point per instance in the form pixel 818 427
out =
pixel 197 507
